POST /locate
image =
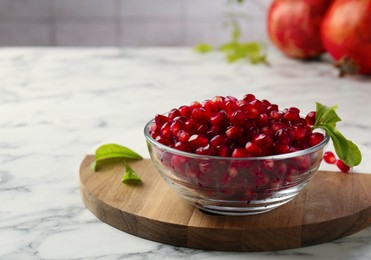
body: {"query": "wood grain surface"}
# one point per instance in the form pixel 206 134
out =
pixel 331 206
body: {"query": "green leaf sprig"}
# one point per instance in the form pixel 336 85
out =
pixel 115 151
pixel 346 150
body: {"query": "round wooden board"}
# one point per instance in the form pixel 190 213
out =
pixel 332 205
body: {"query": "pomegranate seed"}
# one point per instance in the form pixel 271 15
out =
pixel 249 97
pixel 239 152
pixel 329 157
pixel 165 130
pixel 253 149
pixel 219 101
pixel 175 127
pixel 342 166
pixel 272 107
pixel 190 126
pixel 206 150
pixel 300 133
pixel 275 115
pixel 291 116
pixel 213 131
pixel 196 104
pixel 251 111
pixel 218 140
pixel 210 107
pixel 281 148
pixel 182 147
pixel 163 140
pixel 219 118
pixel 197 140
pixel 174 113
pixel 283 136
pixel 234 132
pixel 262 140
pixel 311 118
pixel 178 163
pixel 161 119
pixel 185 111
pixel 230 107
pixel 223 151
pixel 262 120
pixel 237 117
pixel 276 126
pixel 182 136
pixel 315 138
pixel 230 98
pixel 200 115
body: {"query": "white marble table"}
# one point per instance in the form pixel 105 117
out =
pixel 58 104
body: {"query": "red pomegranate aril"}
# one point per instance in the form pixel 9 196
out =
pixel 262 120
pixel 181 146
pixel 219 118
pixel 239 153
pixel 283 136
pixel 272 107
pixel 190 126
pixel 175 127
pixel 252 132
pixel 267 131
pixel 174 113
pixel 253 149
pixel 262 140
pixel 275 115
pixel 276 126
pixel 311 118
pixel 315 138
pixel 251 111
pixel 163 140
pixel 266 103
pixel 206 150
pixel 210 106
pixel 291 116
pixel 197 140
pixel 234 132
pixel 219 101
pixel 300 133
pixel 196 104
pixel 342 166
pixel 281 148
pixel 185 111
pixel 219 140
pixel 257 104
pixel 237 117
pixel 249 97
pixel 202 129
pixel 161 119
pixel 214 130
pixel 165 130
pixel 178 163
pixel 329 157
pixel 200 115
pixel 230 107
pixel 183 136
pixel 223 151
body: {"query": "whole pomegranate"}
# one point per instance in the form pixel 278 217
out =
pixel 294 26
pixel 346 35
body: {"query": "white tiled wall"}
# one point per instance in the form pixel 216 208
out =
pixel 126 22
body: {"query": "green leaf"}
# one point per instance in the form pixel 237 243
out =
pixel 203 48
pixel 347 151
pixel 113 151
pixel 326 115
pixel 130 176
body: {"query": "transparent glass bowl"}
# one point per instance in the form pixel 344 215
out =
pixel 235 186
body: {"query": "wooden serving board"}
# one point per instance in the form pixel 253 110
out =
pixel 331 206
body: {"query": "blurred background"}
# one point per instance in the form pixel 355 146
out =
pixel 128 22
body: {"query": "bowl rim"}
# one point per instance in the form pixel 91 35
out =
pixel 215 157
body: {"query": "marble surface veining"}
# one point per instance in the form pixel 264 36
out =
pixel 58 104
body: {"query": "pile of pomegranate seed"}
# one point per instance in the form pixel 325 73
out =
pixel 229 127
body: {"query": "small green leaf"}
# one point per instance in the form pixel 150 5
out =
pixel 130 176
pixel 107 151
pixel 113 151
pixel 203 48
pixel 93 166
pixel 347 151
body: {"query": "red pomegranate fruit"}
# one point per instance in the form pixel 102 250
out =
pixel 346 35
pixel 294 26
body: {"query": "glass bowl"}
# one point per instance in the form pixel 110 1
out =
pixel 235 186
